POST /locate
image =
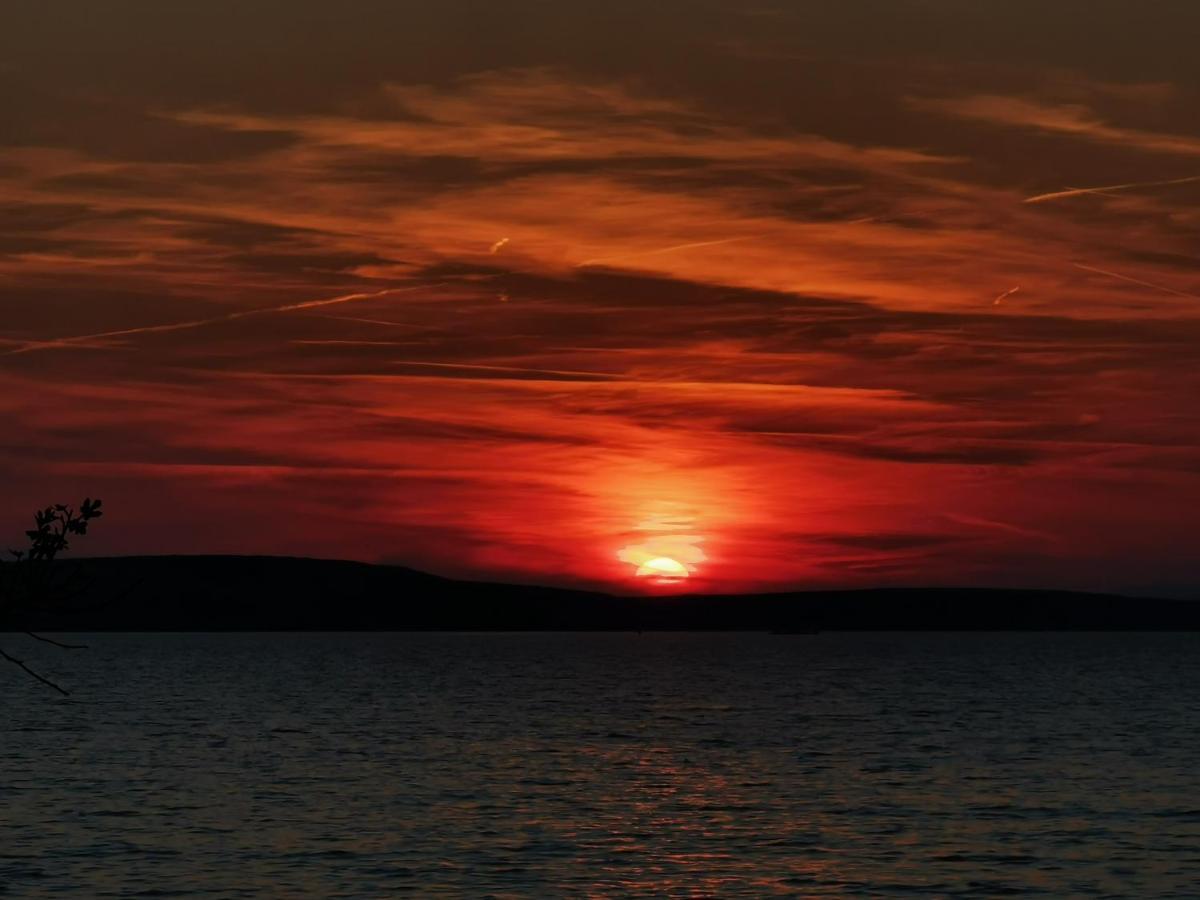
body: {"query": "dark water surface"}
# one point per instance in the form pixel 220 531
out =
pixel 520 765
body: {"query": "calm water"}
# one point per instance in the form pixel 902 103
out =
pixel 604 765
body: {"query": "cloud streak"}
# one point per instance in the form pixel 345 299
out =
pixel 1108 189
pixel 91 341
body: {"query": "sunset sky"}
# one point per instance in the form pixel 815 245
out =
pixel 797 294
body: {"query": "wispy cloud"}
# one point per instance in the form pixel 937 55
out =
pixel 1074 120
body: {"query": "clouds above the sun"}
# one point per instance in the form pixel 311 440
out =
pixel 488 317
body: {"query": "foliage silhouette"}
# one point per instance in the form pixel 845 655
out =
pixel 31 579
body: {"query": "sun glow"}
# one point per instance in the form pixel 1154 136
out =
pixel 663 567
pixel 668 550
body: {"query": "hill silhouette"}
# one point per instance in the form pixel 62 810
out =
pixel 246 593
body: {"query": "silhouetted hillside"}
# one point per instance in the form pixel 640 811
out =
pixel 220 593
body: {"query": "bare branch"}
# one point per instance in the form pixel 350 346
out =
pixel 46 640
pixel 29 671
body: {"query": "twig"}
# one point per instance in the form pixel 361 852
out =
pixel 46 640
pixel 29 671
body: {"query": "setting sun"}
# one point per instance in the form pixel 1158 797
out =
pixel 668 549
pixel 663 567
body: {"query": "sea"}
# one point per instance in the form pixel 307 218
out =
pixel 602 765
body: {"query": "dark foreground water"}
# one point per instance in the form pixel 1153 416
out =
pixel 534 765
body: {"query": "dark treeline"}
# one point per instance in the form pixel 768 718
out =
pixel 199 593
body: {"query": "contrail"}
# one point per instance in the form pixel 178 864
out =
pixel 1137 281
pixel 638 255
pixel 1005 295
pixel 83 339
pixel 1076 192
pixel 980 522
pixel 387 322
pixel 512 370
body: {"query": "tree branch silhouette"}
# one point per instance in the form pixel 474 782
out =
pixel 42 678
pixel 30 578
pixel 46 640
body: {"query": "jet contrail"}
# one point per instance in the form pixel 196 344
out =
pixel 979 522
pixel 386 322
pixel 1137 281
pixel 83 339
pixel 1077 192
pixel 1006 294
pixel 512 370
pixel 637 255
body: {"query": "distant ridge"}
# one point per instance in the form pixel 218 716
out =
pixel 257 593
